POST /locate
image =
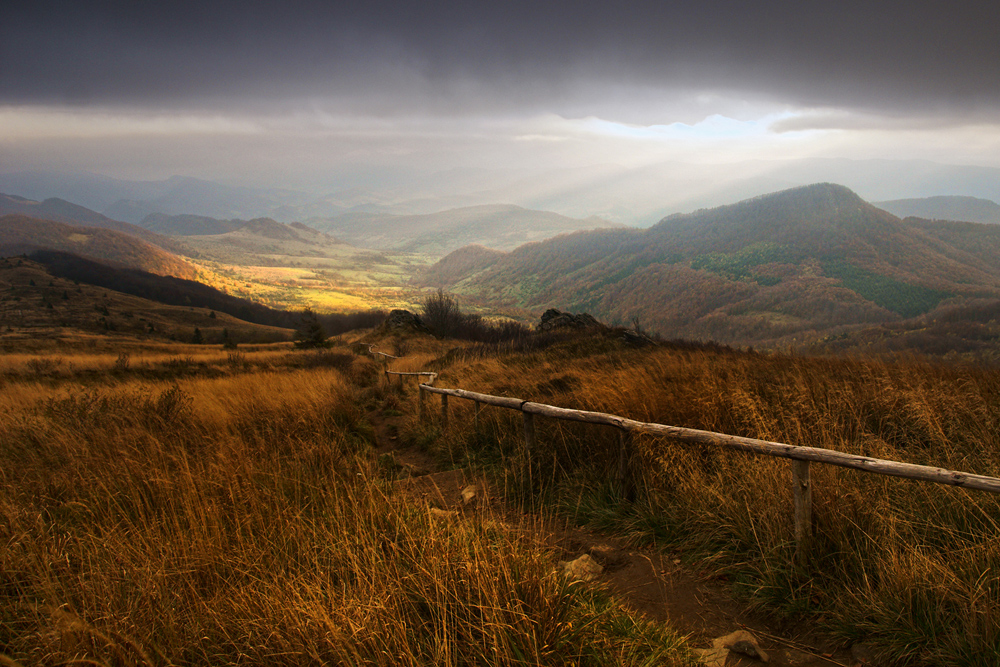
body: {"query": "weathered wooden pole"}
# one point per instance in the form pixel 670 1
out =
pixel 420 402
pixel 477 405
pixel 444 410
pixel 802 492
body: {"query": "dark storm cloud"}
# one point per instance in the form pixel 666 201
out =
pixel 450 57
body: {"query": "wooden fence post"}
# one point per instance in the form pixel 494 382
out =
pixel 477 405
pixel 420 402
pixel 444 411
pixel 802 492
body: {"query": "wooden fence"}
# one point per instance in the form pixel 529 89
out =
pixel 800 457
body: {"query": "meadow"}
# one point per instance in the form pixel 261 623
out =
pixel 910 568
pixel 202 506
pixel 226 507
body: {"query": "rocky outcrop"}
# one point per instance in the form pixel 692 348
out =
pixel 403 320
pixel 553 319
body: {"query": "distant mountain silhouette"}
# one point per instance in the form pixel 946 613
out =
pixel 774 267
pixel 200 225
pixel 965 209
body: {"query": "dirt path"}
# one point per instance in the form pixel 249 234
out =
pixel 655 584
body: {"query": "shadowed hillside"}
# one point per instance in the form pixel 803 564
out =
pixel 20 234
pixel 778 267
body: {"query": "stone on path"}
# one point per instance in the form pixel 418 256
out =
pixel 744 643
pixel 583 568
pixel 470 495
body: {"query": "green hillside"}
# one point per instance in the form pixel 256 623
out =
pixel 778 268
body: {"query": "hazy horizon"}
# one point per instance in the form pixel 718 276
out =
pixel 320 98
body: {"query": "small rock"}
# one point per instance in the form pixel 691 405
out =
pixel 470 495
pixel 583 568
pixel 712 657
pixel 863 654
pixel 443 515
pixel 744 643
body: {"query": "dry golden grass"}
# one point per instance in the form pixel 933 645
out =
pixel 913 568
pixel 239 519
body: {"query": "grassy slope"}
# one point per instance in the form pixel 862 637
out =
pixel 910 568
pixel 240 519
pixel 34 302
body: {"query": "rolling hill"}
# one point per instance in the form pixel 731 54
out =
pixel 61 210
pixel 965 209
pixel 497 226
pixel 48 295
pixel 783 267
pixel 20 234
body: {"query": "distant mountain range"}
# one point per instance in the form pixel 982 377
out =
pixel 776 268
pixel 965 209
pixel 61 210
pixel 633 195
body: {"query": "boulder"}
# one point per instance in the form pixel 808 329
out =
pixel 553 319
pixel 403 320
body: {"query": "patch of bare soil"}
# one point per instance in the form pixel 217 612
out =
pixel 661 587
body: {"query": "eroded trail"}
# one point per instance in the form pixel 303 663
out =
pixel 662 586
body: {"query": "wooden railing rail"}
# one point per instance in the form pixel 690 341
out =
pixel 800 456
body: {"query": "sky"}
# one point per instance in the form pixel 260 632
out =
pixel 309 95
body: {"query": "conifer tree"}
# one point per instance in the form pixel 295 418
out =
pixel 310 333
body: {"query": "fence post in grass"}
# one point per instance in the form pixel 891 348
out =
pixel 478 405
pixel 625 464
pixel 420 402
pixel 444 411
pixel 802 491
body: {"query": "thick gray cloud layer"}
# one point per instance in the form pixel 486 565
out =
pixel 573 58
